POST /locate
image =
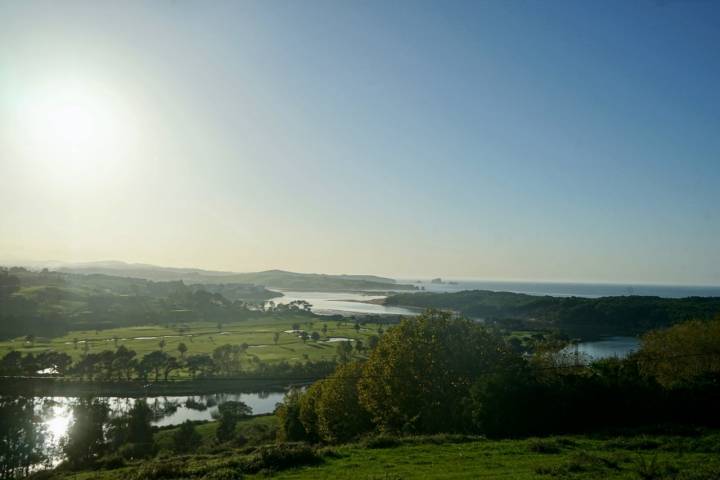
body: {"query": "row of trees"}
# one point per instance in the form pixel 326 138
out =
pixel 124 364
pixel 435 373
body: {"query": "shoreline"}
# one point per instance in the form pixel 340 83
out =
pixel 59 387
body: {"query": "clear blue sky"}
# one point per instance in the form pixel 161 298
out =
pixel 554 140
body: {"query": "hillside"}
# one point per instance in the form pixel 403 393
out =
pixel 573 315
pixel 278 279
pixel 51 303
pixel 441 456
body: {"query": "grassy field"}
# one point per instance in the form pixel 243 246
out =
pixel 452 457
pixel 204 337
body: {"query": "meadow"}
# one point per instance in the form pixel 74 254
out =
pixel 693 456
pixel 204 337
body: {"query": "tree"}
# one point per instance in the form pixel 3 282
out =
pixel 228 414
pixel 140 430
pixel 324 329
pixel 308 412
pixel 344 349
pixel 288 413
pixel 11 363
pixel 154 362
pixel 682 353
pixel 199 363
pixel 340 417
pixel 124 363
pixel 315 336
pixel 182 349
pixel 276 337
pixel 22 437
pixel 186 438
pixel 162 344
pixel 419 375
pixel 226 358
pixel 170 364
pixel 373 341
pixel 86 436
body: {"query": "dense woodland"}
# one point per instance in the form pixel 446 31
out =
pixel 437 374
pixel 574 316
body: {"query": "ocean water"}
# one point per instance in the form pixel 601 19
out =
pixel 558 289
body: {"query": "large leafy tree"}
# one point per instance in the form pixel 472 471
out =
pixel 418 378
pixel 340 417
pixel 683 353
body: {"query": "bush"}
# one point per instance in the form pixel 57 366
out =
pixel 131 451
pixel 381 441
pixel 544 446
pixel 223 474
pixel 654 470
pixel 282 456
pixel 110 462
pixel 633 443
pixel 168 469
pixel 186 438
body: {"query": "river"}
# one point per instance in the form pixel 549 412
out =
pixel 346 304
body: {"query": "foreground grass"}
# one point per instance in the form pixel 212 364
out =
pixel 449 457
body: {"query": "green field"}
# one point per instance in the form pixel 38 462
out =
pixel 456 457
pixel 204 337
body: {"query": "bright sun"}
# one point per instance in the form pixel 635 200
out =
pixel 76 133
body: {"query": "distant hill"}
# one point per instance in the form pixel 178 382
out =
pixel 583 317
pixel 278 279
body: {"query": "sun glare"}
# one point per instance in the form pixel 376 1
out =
pixel 76 133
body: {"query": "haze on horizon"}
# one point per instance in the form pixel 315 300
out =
pixel 561 140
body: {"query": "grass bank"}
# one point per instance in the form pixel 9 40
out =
pixel 687 457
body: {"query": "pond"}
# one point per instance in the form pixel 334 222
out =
pixel 607 347
pixel 168 410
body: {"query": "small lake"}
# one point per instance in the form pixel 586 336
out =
pixel 346 304
pixel 607 347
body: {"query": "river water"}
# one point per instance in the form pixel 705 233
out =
pixel 346 304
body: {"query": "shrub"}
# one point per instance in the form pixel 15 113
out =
pixel 381 441
pixel 157 470
pixel 186 438
pixel 546 446
pixel 282 456
pixel 131 451
pixel 110 462
pixel 223 474
pixel 654 470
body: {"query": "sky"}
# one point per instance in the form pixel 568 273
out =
pixel 560 140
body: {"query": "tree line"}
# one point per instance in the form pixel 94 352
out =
pixel 123 364
pixel 107 302
pixel 439 374
pixel 575 316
